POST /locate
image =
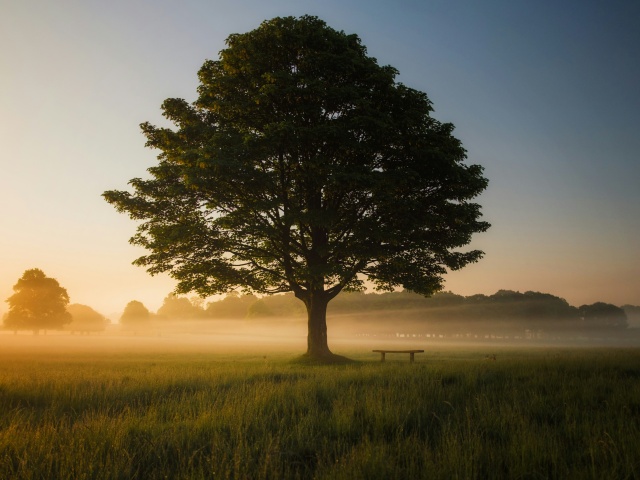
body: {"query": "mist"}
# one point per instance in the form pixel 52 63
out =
pixel 356 322
pixel 267 338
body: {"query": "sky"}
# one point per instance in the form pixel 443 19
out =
pixel 544 95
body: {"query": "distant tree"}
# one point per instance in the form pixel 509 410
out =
pixel 135 314
pixel 599 315
pixel 544 306
pixel 175 307
pixel 528 306
pixel 506 296
pixel 197 301
pixel 304 167
pixel 85 319
pixel 233 305
pixel 477 298
pixel 259 308
pixel 39 302
pixel 445 299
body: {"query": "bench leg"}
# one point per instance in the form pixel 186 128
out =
pixel 412 357
pixel 382 356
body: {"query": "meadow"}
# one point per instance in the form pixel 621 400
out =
pixel 121 408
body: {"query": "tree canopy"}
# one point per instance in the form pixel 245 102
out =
pixel 135 313
pixel 304 167
pixel 602 314
pixel 179 307
pixel 39 302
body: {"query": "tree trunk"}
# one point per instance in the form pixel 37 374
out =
pixel 317 345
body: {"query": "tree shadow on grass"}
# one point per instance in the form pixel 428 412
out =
pixel 330 359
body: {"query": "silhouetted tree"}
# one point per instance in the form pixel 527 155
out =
pixel 85 319
pixel 175 307
pixel 39 302
pixel 304 167
pixel 599 315
pixel 135 314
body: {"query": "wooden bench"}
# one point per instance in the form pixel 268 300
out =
pixel 410 352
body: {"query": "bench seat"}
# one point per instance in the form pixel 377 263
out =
pixel 410 352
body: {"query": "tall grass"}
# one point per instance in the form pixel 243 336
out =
pixel 453 414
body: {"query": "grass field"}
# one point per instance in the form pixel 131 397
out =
pixel 110 408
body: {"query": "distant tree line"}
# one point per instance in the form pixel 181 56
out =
pixel 40 303
pixel 506 308
pixel 233 305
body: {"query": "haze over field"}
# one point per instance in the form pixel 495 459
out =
pixel 543 95
pixel 359 322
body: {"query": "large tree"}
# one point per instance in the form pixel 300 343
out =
pixel 38 302
pixel 304 166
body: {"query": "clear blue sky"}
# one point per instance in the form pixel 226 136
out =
pixel 543 94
